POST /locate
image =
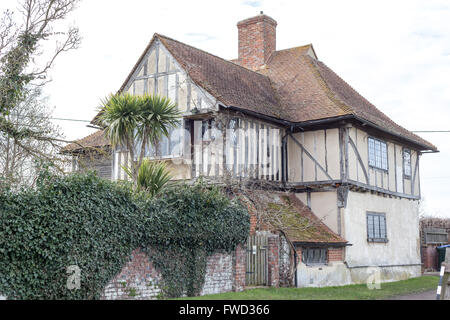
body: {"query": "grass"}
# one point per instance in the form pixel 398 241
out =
pixel 351 292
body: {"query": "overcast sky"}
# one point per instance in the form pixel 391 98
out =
pixel 394 53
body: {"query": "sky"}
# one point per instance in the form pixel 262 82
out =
pixel 394 53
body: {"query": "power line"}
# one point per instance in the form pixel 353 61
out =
pixel 74 120
pixel 432 131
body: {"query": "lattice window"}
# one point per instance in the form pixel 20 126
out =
pixel 376 227
pixel 314 256
pixel 378 156
pixel 407 163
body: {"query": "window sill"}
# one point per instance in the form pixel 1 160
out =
pixel 315 265
pixel 377 240
pixel 379 169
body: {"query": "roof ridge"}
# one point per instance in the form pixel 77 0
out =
pixel 330 94
pixel 296 47
pixel 287 49
pixel 208 53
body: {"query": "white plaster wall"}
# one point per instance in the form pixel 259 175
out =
pixel 402 223
pixel 333 274
pixel 324 206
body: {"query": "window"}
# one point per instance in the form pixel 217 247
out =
pixel 171 146
pixel 314 256
pixel 378 154
pixel 376 227
pixel 407 163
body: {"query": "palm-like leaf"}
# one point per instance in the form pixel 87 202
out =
pixel 153 176
pixel 159 115
pixel 137 121
pixel 120 115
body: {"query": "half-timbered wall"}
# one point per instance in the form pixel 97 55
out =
pixel 239 147
pixel 159 73
pixel 342 154
pixel 393 178
pixel 313 156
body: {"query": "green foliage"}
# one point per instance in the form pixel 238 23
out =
pixel 95 224
pixel 143 119
pixel 188 224
pixel 121 115
pixel 152 176
pixel 77 220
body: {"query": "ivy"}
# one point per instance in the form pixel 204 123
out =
pixel 85 221
pixel 187 225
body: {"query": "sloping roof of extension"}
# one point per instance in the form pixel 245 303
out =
pixel 286 212
pixel 293 87
pixel 95 140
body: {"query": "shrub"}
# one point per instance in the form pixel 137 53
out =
pixel 188 224
pixel 85 221
pixel 77 220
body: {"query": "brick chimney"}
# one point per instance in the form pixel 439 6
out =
pixel 257 41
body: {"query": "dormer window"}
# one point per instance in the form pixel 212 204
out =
pixel 378 158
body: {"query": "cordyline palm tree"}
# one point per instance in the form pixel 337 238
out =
pixel 128 119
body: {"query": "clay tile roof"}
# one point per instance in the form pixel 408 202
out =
pixel 301 225
pixel 309 90
pixel 228 82
pixel 293 86
pixel 360 107
pixel 95 140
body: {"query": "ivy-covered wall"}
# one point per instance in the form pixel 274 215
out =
pixel 81 226
pixel 140 280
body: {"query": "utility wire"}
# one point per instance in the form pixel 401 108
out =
pixel 433 131
pixel 88 121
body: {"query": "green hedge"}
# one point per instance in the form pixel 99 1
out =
pixel 95 224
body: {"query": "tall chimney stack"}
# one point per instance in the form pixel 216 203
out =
pixel 257 41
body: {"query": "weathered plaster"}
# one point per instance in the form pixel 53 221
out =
pixel 403 246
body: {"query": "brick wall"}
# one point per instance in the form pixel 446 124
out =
pixel 335 254
pixel 239 268
pixel 219 274
pixel 299 255
pixel 273 261
pixel 257 41
pixel 139 280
